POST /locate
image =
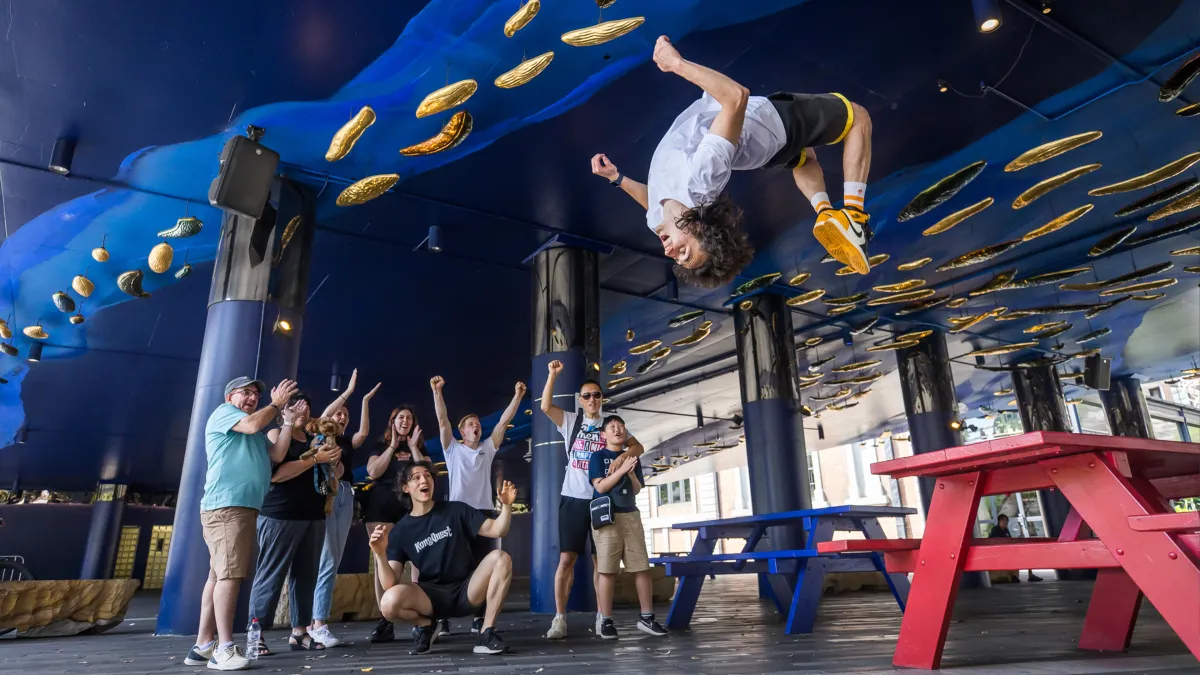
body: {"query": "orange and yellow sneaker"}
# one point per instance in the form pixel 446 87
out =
pixel 845 233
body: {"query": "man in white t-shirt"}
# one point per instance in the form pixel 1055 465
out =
pixel 583 435
pixel 469 463
pixel 730 130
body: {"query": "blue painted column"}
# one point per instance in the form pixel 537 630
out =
pixel 104 533
pixel 566 327
pixel 259 277
pixel 930 405
pixel 776 459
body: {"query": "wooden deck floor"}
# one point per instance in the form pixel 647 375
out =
pixel 1025 629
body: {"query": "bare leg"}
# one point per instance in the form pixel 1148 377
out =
pixel 809 177
pixel 489 584
pixel 856 156
pixel 208 623
pixel 564 576
pixel 224 597
pixel 605 587
pixel 408 603
pixel 645 591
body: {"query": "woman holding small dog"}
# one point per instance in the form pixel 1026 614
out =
pixel 291 524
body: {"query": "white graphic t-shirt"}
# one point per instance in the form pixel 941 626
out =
pixel 471 473
pixel 579 451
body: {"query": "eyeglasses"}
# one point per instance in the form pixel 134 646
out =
pixel 248 391
pixel 590 395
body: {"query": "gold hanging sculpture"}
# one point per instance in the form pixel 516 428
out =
pixel 526 71
pixel 1169 170
pixel 366 189
pixel 1052 149
pixel 1059 222
pixel 449 96
pixel 522 17
pixel 160 258
pixel 957 217
pixel 602 32
pixel 455 131
pixel 345 138
pixel 1052 183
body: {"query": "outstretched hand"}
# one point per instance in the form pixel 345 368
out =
pixel 507 493
pixel 379 539
pixel 371 393
pixel 353 382
pixel 666 56
pixel 414 440
pixel 602 167
pixel 282 393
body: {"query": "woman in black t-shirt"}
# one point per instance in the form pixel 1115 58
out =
pixel 337 523
pixel 291 525
pixel 402 443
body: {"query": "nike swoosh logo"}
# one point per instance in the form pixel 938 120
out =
pixel 856 230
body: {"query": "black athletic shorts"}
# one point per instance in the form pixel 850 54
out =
pixel 449 600
pixel 574 525
pixel 809 120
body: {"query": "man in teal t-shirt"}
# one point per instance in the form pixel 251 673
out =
pixel 238 476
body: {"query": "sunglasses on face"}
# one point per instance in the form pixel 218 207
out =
pixel 587 395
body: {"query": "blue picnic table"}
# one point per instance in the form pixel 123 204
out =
pixel 793 577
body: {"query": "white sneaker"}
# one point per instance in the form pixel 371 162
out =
pixel 324 636
pixel 229 658
pixel 558 628
pixel 198 656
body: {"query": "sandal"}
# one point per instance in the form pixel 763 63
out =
pixel 304 643
pixel 263 649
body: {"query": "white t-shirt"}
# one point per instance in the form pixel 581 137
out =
pixel 691 165
pixel 471 473
pixel 579 451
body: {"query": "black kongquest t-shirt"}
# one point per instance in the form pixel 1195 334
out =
pixel 295 499
pixel 439 542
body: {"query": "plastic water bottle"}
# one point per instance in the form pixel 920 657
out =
pixel 253 635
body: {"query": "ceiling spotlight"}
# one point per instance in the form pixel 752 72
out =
pixel 335 381
pixel 956 424
pixel 61 156
pixel 737 421
pixel 35 352
pixel 435 238
pixel 1045 6
pixel 821 432
pixel 282 326
pixel 943 87
pixel 987 15
pixel 22 434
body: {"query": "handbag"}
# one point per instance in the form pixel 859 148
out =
pixel 601 508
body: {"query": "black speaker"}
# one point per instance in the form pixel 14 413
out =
pixel 1097 372
pixel 244 182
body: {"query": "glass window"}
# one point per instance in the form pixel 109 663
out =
pixel 662 495
pixel 676 492
pixel 1194 433
pixel 1092 419
pixel 744 497
pixel 687 490
pixel 1166 430
pixel 1155 392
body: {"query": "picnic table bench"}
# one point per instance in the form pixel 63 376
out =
pixel 1118 489
pixel 795 577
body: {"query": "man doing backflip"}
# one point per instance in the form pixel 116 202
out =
pixel 730 130
pixel 436 537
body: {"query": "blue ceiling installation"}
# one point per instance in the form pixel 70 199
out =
pixel 112 396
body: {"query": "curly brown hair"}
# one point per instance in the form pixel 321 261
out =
pixel 716 227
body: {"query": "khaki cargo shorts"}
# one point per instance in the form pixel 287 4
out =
pixel 623 540
pixel 231 535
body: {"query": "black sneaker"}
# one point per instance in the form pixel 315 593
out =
pixel 490 642
pixel 423 639
pixel 384 632
pixel 607 630
pixel 443 627
pixel 477 625
pixel 651 627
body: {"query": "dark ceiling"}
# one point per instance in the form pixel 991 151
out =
pixel 152 90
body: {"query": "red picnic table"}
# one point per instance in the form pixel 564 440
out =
pixel 1118 488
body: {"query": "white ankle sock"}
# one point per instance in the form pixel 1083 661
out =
pixel 224 645
pixel 854 194
pixel 207 645
pixel 820 201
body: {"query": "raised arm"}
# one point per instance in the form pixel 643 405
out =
pixel 620 466
pixel 731 95
pixel 259 419
pixel 445 430
pixel 606 169
pixel 342 397
pixel 383 571
pixel 328 454
pixel 507 416
pixel 552 411
pixel 364 419
pixel 414 445
pixel 495 528
pixel 281 438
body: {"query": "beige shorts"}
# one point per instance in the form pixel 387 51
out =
pixel 623 540
pixel 231 535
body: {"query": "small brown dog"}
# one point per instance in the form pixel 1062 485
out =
pixel 324 431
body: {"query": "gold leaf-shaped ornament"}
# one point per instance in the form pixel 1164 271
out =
pixel 602 32
pixel 1052 149
pixel 521 17
pixel 447 97
pixel 82 285
pixel 525 71
pixel 160 258
pixel 453 132
pixel 366 189
pixel 345 138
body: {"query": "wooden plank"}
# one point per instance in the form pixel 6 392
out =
pixel 1166 522
pixel 693 570
pixel 1016 479
pixel 868 545
pixel 1178 487
pixel 1049 554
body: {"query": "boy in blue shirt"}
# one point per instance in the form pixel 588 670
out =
pixel 624 539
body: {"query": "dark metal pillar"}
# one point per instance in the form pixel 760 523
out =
pixel 776 459
pixel 1125 405
pixel 260 276
pixel 566 327
pixel 1042 407
pixel 930 404
pixel 104 533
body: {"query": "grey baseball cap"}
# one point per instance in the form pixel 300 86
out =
pixel 244 381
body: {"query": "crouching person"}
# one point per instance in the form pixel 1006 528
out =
pixel 622 538
pixel 437 538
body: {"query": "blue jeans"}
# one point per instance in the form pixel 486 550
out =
pixel 337 528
